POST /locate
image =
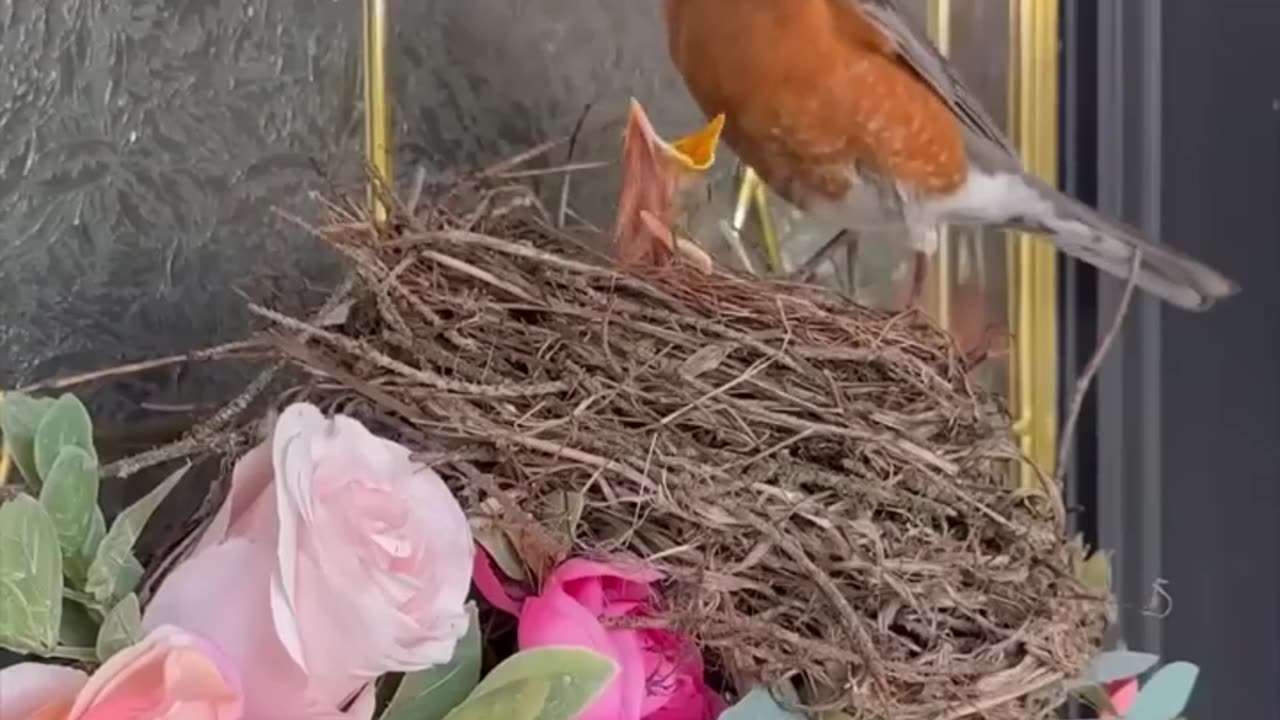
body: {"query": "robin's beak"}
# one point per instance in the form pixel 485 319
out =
pixel 653 173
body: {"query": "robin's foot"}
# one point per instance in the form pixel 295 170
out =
pixel 810 268
pixel 919 273
pixel 850 263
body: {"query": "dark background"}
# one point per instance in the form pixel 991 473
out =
pixel 1171 120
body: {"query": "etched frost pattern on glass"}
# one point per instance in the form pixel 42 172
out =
pixel 143 146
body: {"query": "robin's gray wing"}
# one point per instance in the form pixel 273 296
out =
pixel 1072 226
pixel 918 51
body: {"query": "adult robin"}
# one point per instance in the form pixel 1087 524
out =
pixel 847 110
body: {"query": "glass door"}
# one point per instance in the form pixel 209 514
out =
pixel 145 148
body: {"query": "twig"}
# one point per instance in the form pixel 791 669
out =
pixel 203 435
pixel 1032 685
pixel 217 352
pixel 567 169
pixel 581 456
pixel 855 629
pixel 518 159
pixel 1090 370
pixel 563 208
pixel 426 377
pixel 184 448
pixel 806 271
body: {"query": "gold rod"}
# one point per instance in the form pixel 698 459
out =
pixel 377 111
pixel 940 29
pixel 768 230
pixel 6 457
pixel 1034 24
pixel 746 193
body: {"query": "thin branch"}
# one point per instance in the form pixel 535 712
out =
pixel 217 352
pixel 1090 370
pixel 566 169
pixel 211 432
pixel 563 208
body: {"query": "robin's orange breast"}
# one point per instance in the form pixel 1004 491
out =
pixel 811 91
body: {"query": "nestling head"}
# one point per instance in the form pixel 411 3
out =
pixel 654 173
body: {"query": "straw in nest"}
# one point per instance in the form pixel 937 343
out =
pixel 825 491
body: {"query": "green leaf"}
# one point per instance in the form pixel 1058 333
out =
pixel 65 424
pixel 575 664
pixel 20 417
pixel 521 700
pixel 1095 572
pixel 92 541
pixel 495 541
pixel 430 694
pixel 1095 696
pixel 70 496
pixel 115 572
pixel 121 627
pixel 546 683
pixel 1165 695
pixel 78 628
pixel 30 577
pixel 759 705
pixel 1115 665
pixel 566 510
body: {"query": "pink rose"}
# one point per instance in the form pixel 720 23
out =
pixel 169 675
pixel 334 559
pixel 661 672
pixel 1121 693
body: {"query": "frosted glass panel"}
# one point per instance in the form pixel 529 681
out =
pixel 144 145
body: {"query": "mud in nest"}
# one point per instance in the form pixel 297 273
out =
pixel 826 492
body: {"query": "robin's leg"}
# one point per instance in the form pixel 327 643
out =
pixel 924 243
pixel 851 263
pixel 919 273
pixel 806 272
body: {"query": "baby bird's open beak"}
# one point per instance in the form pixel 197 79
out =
pixel 653 173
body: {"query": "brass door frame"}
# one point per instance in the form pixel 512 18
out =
pixel 1033 308
pixel 377 109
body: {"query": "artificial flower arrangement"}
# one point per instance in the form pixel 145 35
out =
pixel 334 561
pixel 337 561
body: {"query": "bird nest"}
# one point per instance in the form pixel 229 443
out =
pixel 826 493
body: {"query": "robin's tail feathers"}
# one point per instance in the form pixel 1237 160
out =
pixel 1161 272
pixel 1023 202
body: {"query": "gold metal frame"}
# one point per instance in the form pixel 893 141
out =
pixel 377 109
pixel 6 457
pixel 1033 274
pixel 940 270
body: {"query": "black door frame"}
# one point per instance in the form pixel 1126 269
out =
pixel 1111 156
